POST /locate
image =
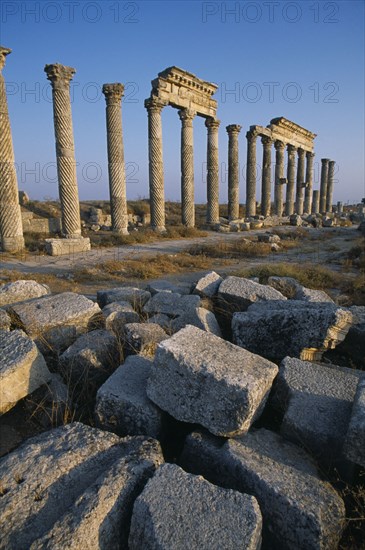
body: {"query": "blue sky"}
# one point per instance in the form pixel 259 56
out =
pixel 302 60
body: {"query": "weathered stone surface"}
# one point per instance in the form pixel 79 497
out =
pixel 208 285
pixel 92 358
pixel 73 487
pixel 142 337
pixel 167 286
pixel 161 319
pixel 354 448
pixel 294 328
pixel 268 238
pixel 171 303
pixel 198 317
pixel 59 247
pixel 135 296
pixel 286 285
pixel 239 293
pixel 200 378
pixel 299 509
pixel 354 343
pixel 122 405
pixel 4 320
pixel 179 510
pixel 117 314
pixel 317 401
pixel 296 220
pixel 19 291
pixel 22 368
pixel 311 295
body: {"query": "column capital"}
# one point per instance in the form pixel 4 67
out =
pixel 186 115
pixel 310 154
pixel 233 129
pixel 332 162
pixel 279 145
pixel 154 104
pixel 291 148
pixel 212 123
pixel 267 141
pixel 301 152
pixel 325 161
pixel 59 75
pixel 3 53
pixel 113 92
pixel 251 135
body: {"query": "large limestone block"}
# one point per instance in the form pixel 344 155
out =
pixel 354 448
pixel 135 296
pixel 171 303
pixel 198 377
pixel 117 314
pixel 311 295
pixel 208 286
pixel 239 293
pixel 22 368
pixel 122 405
pixel 300 511
pixel 317 401
pixel 177 510
pixel 292 328
pixel 60 247
pixel 73 487
pixel 142 337
pixel 19 291
pixel 167 286
pixel 198 317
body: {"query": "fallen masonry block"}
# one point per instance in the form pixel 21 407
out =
pixel 354 343
pixel 59 247
pixel 73 487
pixel 311 295
pixel 200 378
pixel 122 405
pixel 276 329
pixel 208 286
pixel 180 510
pixel 354 448
pixel 171 303
pixel 142 338
pixel 117 314
pixel 239 293
pixel 167 286
pixel 135 296
pixel 22 368
pixel 19 291
pixel 286 285
pixel 198 317
pixel 5 320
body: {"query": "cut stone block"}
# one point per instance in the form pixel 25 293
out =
pixel 208 286
pixel 310 295
pixel 59 247
pixel 354 448
pixel 73 487
pixel 5 321
pixel 117 314
pixel 22 368
pixel 239 293
pixel 19 291
pixel 161 319
pixel 135 296
pixel 294 328
pixel 286 285
pixel 268 238
pixel 317 401
pixel 142 337
pixel 171 303
pixel 354 343
pixel 198 317
pixel 167 286
pixel 200 378
pixel 122 405
pixel 179 510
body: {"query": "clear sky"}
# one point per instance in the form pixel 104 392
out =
pixel 303 60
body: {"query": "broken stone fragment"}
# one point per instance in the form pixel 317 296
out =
pixel 239 293
pixel 142 338
pixel 171 303
pixel 198 317
pixel 208 286
pixel 354 448
pixel 19 291
pixel 135 296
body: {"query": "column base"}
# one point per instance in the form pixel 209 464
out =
pixel 123 231
pixel 159 228
pixel 59 247
pixel 12 244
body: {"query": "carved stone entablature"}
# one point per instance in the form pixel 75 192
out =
pixel 184 90
pixel 290 132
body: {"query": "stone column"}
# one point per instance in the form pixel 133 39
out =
pixel 266 176
pixel 279 173
pixel 233 171
pixel 309 183
pixel 331 176
pixel 212 171
pixel 60 77
pixel 117 187
pixel 251 174
pixel 187 167
pixel 11 228
pixel 289 205
pixel 340 207
pixel 299 199
pixel 315 202
pixel 323 188
pixel 156 180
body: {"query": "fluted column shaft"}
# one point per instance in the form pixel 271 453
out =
pixel 60 77
pixel 299 199
pixel 117 186
pixel 315 202
pixel 251 174
pixel 309 183
pixel 279 173
pixel 156 176
pixel 187 167
pixel 212 171
pixel 331 176
pixel 233 171
pixel 289 204
pixel 266 176
pixel 11 228
pixel 323 188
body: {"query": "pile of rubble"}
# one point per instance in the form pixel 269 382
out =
pixel 216 414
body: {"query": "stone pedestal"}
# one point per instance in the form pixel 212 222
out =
pixel 266 177
pixel 279 176
pixel 309 183
pixel 60 247
pixel 187 167
pixel 289 206
pixel 11 229
pixel 156 176
pixel 60 77
pixel 299 199
pixel 212 171
pixel 315 202
pixel 251 174
pixel 117 186
pixel 323 188
pixel 331 176
pixel 233 171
